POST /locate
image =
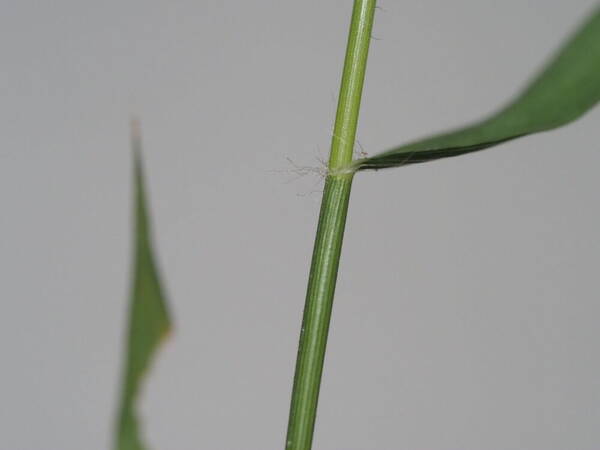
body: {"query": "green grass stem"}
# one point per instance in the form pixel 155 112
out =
pixel 330 232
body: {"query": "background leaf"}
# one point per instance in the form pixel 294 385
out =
pixel 149 321
pixel 565 90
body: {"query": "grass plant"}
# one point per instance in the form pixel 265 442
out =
pixel 563 91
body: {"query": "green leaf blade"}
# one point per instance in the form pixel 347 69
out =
pixel 149 320
pixel 565 90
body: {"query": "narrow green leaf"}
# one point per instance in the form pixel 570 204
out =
pixel 149 320
pixel 567 88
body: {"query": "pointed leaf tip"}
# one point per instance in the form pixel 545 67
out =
pixel 149 321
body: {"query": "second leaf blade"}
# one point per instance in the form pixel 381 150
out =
pixel 567 88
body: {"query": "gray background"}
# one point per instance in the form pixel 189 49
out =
pixel 466 315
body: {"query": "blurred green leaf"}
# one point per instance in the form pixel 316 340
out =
pixel 567 88
pixel 149 321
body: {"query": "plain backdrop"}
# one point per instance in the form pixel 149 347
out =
pixel 466 314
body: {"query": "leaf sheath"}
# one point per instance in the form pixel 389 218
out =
pixel 317 311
